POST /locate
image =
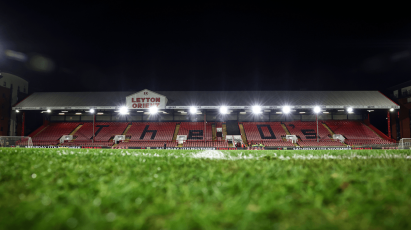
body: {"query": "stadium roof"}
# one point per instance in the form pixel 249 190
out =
pixel 401 85
pixel 212 100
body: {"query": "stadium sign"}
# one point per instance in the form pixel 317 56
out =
pixel 53 147
pixel 188 148
pixel 146 99
pixel 324 148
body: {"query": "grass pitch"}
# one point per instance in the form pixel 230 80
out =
pixel 173 189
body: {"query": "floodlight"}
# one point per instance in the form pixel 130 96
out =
pixel 392 109
pixel 349 109
pixel 193 110
pixel 153 110
pixel 317 109
pixel 91 110
pixel 223 110
pixel 17 110
pixel 49 111
pixel 256 109
pixel 286 109
pixel 123 110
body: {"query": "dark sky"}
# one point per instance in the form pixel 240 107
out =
pixel 118 45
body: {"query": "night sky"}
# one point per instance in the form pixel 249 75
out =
pixel 117 45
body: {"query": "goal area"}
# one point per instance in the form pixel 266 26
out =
pixel 405 143
pixel 15 141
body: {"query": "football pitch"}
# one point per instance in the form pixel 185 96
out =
pixel 187 189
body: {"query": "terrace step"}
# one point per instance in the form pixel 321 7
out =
pixel 328 128
pixel 76 129
pixel 243 136
pixel 374 131
pixel 214 130
pixel 224 131
pixel 40 131
pixel 285 129
pixel 176 132
pixel 332 133
pixel 126 130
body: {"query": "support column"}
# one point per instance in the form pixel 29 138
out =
pixel 205 127
pixel 22 124
pixel 389 124
pixel 317 126
pixel 94 120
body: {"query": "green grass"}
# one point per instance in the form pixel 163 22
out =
pixel 172 189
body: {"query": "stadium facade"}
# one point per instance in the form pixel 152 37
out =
pixel 13 89
pixel 207 118
pixel 400 121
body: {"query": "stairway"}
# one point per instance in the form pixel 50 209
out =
pixel 285 129
pixel 224 132
pixel 332 133
pixel 40 131
pixel 288 133
pixel 176 132
pixel 125 133
pixel 214 130
pixel 243 136
pixel 328 128
pixel 295 144
pixel 374 132
pixel 76 129
pixel 126 130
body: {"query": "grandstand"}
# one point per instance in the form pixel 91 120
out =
pixel 98 119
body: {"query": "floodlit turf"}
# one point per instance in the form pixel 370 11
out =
pixel 173 189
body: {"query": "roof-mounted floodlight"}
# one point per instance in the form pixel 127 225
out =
pixel 123 110
pixel 153 110
pixel 286 109
pixel 256 109
pixel 49 111
pixel 317 109
pixel 92 111
pixel 392 109
pixel 17 110
pixel 193 110
pixel 350 109
pixel 223 109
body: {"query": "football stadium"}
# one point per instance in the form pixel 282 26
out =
pixel 204 116
pixel 208 119
pixel 204 160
